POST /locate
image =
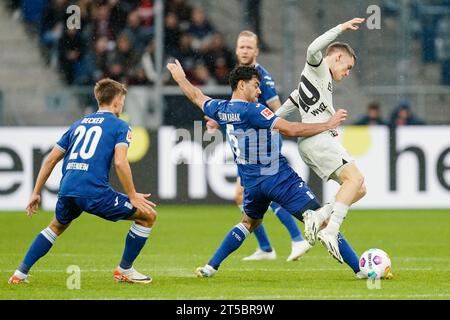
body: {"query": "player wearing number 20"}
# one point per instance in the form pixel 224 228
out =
pixel 88 147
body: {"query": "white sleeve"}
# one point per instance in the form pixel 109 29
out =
pixel 149 67
pixel 314 55
pixel 289 109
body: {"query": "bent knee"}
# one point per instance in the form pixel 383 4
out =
pixel 356 179
pixel 147 219
pixel 249 223
pixel 362 190
pixel 359 179
pixel 151 217
pixel 57 227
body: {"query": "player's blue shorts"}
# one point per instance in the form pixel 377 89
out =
pixel 112 205
pixel 286 188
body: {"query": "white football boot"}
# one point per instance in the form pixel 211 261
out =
pixel 131 276
pixel 205 272
pixel 261 255
pixel 330 241
pixel 299 248
pixel 312 225
pixel 361 275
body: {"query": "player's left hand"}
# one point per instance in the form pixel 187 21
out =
pixel 352 24
pixel 140 202
pixel 33 204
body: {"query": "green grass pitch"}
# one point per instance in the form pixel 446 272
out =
pixel 185 237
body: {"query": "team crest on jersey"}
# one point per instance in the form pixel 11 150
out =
pixel 129 136
pixel 267 113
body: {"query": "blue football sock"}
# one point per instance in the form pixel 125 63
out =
pixel 348 254
pixel 312 205
pixel 288 221
pixel 39 248
pixel 261 235
pixel 230 243
pixel 135 241
pixel 263 239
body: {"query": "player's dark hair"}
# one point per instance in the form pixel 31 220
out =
pixel 245 73
pixel 341 46
pixel 375 105
pixel 107 89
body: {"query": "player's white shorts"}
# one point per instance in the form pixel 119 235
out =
pixel 324 154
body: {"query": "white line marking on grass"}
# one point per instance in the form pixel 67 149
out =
pixel 352 296
pixel 422 258
pixel 191 270
pixel 294 297
pixel 392 258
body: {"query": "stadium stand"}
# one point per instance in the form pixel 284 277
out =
pixel 116 35
pixel 117 41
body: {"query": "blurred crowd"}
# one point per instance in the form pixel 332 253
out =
pixel 430 25
pixel 117 40
pixel 402 115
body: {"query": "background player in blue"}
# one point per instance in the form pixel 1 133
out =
pixel 265 173
pixel 246 53
pixel 88 148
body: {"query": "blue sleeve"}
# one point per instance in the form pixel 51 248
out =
pixel 261 116
pixel 64 143
pixel 124 134
pixel 267 87
pixel 210 108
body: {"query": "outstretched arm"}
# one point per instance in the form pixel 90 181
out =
pixel 193 93
pixel 49 164
pixel 314 54
pixel 298 129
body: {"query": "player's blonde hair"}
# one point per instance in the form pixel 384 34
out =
pixel 341 46
pixel 107 89
pixel 248 33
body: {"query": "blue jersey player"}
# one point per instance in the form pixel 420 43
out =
pixel 265 173
pixel 246 53
pixel 88 148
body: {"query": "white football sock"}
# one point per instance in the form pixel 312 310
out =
pixel 20 275
pixel 337 217
pixel 123 270
pixel 325 212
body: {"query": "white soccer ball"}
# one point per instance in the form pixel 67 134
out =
pixel 375 264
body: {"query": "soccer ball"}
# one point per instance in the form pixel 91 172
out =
pixel 375 264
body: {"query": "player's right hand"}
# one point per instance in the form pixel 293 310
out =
pixel 140 202
pixel 33 204
pixel 211 125
pixel 337 118
pixel 352 24
pixel 176 70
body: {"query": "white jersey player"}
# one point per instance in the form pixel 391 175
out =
pixel 313 101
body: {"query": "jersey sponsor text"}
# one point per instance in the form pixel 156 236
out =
pixel 77 166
